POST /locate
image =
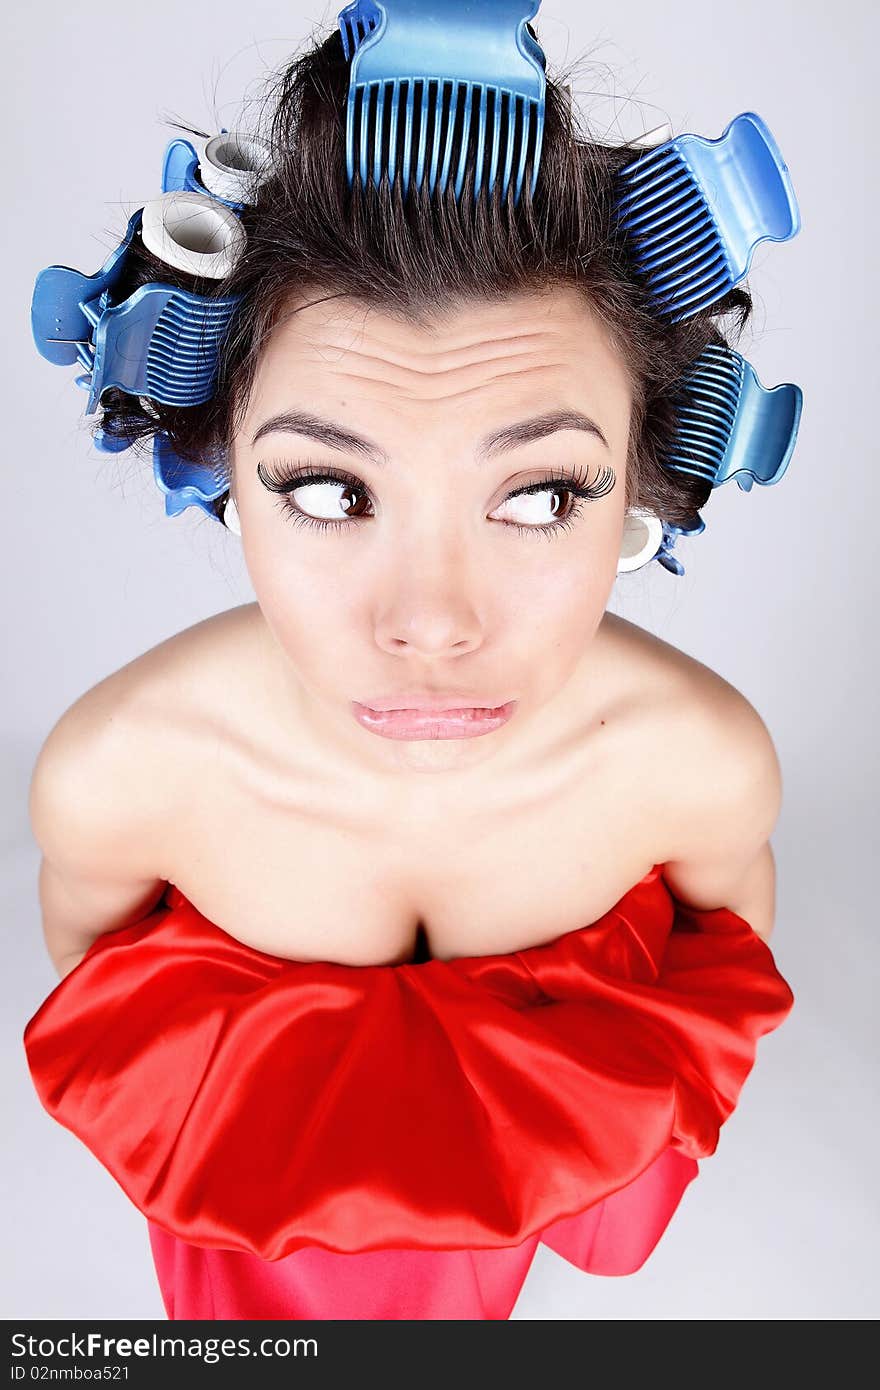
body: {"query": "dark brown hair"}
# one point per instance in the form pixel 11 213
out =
pixel 307 229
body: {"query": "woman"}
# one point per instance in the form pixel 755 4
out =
pixel 419 910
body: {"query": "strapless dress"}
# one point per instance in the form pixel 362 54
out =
pixel 316 1140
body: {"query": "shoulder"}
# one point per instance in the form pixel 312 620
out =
pixel 89 802
pixel 74 796
pixel 713 780
pixel 727 769
pixel 716 758
pixel 724 785
pixel 112 770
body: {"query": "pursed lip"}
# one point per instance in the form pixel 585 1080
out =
pixel 462 721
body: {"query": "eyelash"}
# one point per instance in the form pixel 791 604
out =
pixel 285 481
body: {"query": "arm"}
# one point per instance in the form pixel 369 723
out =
pixel 94 817
pixel 733 792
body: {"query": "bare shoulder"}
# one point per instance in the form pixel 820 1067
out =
pixel 719 784
pixel 710 723
pixel 719 755
pixel 106 782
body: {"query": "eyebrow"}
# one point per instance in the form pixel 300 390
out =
pixel 497 442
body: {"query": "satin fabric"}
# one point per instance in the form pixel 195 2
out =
pixel 314 1140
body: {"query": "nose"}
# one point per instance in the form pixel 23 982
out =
pixel 430 603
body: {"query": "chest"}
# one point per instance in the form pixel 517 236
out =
pixel 312 874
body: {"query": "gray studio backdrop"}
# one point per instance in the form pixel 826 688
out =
pixel 779 597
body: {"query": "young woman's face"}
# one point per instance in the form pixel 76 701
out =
pixel 385 481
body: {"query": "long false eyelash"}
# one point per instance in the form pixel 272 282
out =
pixel 575 482
pixel 285 480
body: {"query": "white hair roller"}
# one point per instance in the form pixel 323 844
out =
pixel 231 165
pixel 642 538
pixel 193 233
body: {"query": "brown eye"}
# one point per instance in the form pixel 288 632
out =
pixel 541 508
pixel 325 500
pixel 315 496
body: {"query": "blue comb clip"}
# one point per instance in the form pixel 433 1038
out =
pixel 355 22
pixel 160 342
pixel 441 47
pixel 729 425
pixel 185 484
pixel 694 210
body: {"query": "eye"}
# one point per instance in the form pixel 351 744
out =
pixel 330 499
pixel 540 509
pixel 314 497
pixel 321 499
pixel 530 503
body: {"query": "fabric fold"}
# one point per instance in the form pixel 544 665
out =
pixel 250 1103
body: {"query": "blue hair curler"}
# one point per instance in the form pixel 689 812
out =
pixel 183 484
pixel 227 168
pixel 355 22
pixel 693 211
pixel 160 341
pixel 671 534
pixel 730 426
pixel 186 484
pixel 441 48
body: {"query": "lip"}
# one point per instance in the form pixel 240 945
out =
pixel 421 723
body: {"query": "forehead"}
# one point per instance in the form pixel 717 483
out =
pixel 480 358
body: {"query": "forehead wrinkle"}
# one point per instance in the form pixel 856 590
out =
pixel 400 388
pixel 433 352
pixel 437 364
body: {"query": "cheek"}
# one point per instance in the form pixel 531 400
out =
pixel 557 602
pixel 304 595
pixel 573 571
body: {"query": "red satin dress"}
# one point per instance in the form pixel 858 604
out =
pixel 315 1140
